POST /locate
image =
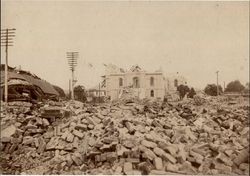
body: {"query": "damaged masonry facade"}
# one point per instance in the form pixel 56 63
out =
pixel 140 83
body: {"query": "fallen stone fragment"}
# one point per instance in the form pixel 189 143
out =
pixel 80 126
pixel 223 168
pixel 145 167
pixel 158 151
pixel 70 137
pixel 96 120
pixel 158 163
pixel 182 154
pixel 169 157
pixel 118 170
pixel 90 121
pixel 156 124
pixel 133 172
pixel 78 134
pixel 148 144
pixel 172 167
pixel 12 148
pixel 103 157
pixel 5 139
pixel 173 149
pixel 244 166
pixel 121 150
pixel 111 156
pixel 45 122
pixel 223 158
pixel 28 140
pixel 77 158
pixel 69 160
pixel 130 127
pixel 91 127
pixel 242 157
pixel 147 153
pixel 92 141
pixel 129 143
pixel 52 143
pixel 127 167
pixel 8 132
pixel 76 142
pixel 133 160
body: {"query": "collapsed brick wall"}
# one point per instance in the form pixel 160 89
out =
pixel 126 137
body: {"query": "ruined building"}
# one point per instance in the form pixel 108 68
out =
pixel 143 84
pixel 25 86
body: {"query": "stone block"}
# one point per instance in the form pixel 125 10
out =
pixel 127 167
pixel 158 151
pixel 171 167
pixel 70 137
pixel 27 140
pixel 81 126
pixel 8 132
pixel 42 145
pixel 111 156
pixel 242 157
pixel 133 160
pixel 223 158
pixel 223 168
pixel 77 159
pixel 133 172
pixel 78 134
pixel 158 163
pixel 148 144
pixel 169 157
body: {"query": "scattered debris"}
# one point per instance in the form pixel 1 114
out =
pixel 129 137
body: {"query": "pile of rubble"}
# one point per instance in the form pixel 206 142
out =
pixel 139 137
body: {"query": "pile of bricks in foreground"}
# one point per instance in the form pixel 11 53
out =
pixel 125 138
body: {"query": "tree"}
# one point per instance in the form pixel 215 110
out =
pixel 80 93
pixel 211 89
pixel 191 93
pixel 183 90
pixel 234 86
pixel 246 90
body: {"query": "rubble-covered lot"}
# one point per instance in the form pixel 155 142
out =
pixel 127 137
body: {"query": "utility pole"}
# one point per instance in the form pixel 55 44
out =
pixel 69 89
pixel 99 92
pixel 72 61
pixel 224 87
pixel 217 73
pixel 6 41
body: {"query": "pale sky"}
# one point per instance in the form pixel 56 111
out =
pixel 194 38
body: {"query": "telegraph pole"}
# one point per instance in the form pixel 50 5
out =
pixel 217 73
pixel 72 61
pixel 6 41
pixel 99 92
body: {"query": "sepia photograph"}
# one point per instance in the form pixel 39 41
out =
pixel 127 87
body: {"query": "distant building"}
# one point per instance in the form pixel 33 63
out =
pixel 173 80
pixel 96 91
pixel 145 84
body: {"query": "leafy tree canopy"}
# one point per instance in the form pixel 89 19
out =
pixel 234 86
pixel 211 89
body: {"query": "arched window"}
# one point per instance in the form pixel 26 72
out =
pixel 136 82
pixel 120 82
pixel 151 81
pixel 152 94
pixel 176 83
